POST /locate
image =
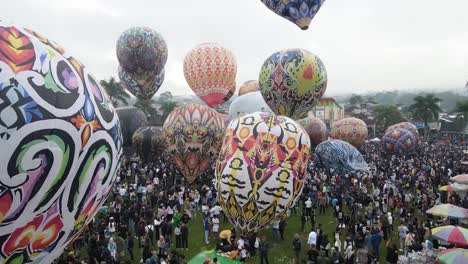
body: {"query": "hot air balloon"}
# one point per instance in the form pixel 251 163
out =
pixel 260 169
pixel 249 87
pixel 340 156
pixel 292 82
pixel 142 54
pixel 399 141
pixel 143 86
pixel 148 143
pixel 61 146
pixel 193 135
pixel 131 119
pixel 352 130
pixel 210 71
pixel 316 129
pixel 406 125
pixel 248 103
pixel 300 12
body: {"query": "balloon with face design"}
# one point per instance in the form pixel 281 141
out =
pixel 292 82
pixel 260 169
pixel 300 12
pixel 60 144
pixel 193 135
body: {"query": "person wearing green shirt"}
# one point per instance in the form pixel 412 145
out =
pixel 176 219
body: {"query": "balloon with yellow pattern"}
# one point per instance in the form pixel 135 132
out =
pixel 292 82
pixel 249 87
pixel 260 169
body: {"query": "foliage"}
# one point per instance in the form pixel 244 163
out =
pixel 426 108
pixel 386 115
pixel 356 99
pixel 116 93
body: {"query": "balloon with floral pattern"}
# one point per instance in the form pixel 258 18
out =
pixel 300 12
pixel 261 169
pixel 292 82
pixel 61 146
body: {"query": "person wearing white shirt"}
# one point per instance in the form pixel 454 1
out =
pixel 312 240
pixel 308 207
pixel 216 210
pixel 215 222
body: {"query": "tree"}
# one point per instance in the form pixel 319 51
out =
pixel 426 108
pixel 386 115
pixel 462 107
pixel 167 107
pixel 116 93
pixel 147 106
pixel 356 99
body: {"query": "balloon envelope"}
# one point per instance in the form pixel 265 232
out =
pixel 141 49
pixel 248 103
pixel 352 130
pixel 292 82
pixel 210 71
pixel 300 12
pixel 316 129
pixel 399 141
pixel 340 156
pixel 249 87
pixel 142 86
pixel 193 135
pixel 406 125
pixel 131 119
pixel 148 142
pixel 260 169
pixel 60 146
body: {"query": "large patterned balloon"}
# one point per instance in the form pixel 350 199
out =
pixel 143 86
pixel 260 169
pixel 210 70
pixel 352 130
pixel 60 144
pixel 131 119
pixel 292 82
pixel 249 87
pixel 399 141
pixel 193 135
pixel 405 125
pixel 148 142
pixel 316 129
pixel 248 103
pixel 140 50
pixel 340 156
pixel 300 12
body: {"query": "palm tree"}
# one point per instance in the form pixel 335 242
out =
pixel 147 106
pixel 462 107
pixel 386 115
pixel 426 108
pixel 116 93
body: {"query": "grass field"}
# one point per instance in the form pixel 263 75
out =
pixel 279 252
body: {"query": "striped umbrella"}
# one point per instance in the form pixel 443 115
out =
pixel 462 178
pixel 453 256
pixel 448 210
pixel 451 234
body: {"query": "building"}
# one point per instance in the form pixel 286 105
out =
pixel 328 110
pixel 365 112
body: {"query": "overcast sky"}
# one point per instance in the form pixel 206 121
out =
pixel 366 45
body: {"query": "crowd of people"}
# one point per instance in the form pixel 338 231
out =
pixel 151 209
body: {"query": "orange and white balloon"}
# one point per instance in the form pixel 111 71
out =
pixel 249 87
pixel 352 130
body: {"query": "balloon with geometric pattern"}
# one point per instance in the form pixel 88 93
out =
pixel 399 141
pixel 316 129
pixel 292 82
pixel 261 169
pixel 406 125
pixel 300 12
pixel 352 130
pixel 210 70
pixel 60 144
pixel 193 135
pixel 249 87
